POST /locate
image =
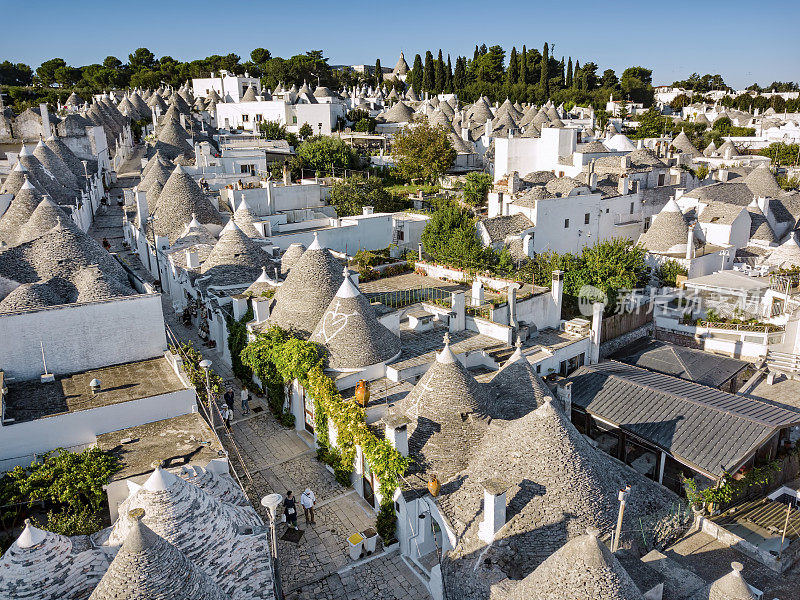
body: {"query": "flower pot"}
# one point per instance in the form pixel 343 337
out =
pixel 434 486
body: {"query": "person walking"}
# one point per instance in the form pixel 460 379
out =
pixel 106 245
pixel 229 397
pixel 245 396
pixel 290 510
pixel 227 413
pixel 308 500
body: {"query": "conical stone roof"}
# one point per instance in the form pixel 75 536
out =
pixel 762 182
pixel 147 567
pixel 731 586
pixel 351 333
pixel 683 144
pixel 446 408
pixel 582 568
pixel 179 200
pixel 68 157
pixel 43 179
pixel 291 256
pixel 760 228
pixel 172 140
pixel 179 103
pixel 159 171
pixel 22 206
pixel 786 255
pixel 668 232
pixel 399 113
pixel 727 146
pixel 46 215
pixel 235 258
pixel 53 164
pixel 41 564
pixel 249 95
pixel 245 218
pixel 307 290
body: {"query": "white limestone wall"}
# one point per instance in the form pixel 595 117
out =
pixel 20 441
pixel 77 337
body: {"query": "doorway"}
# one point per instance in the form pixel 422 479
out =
pixel 308 412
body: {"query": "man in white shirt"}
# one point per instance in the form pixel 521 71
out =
pixel 308 500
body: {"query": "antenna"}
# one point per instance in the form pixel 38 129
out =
pixel 44 361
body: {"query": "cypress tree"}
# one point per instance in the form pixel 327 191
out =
pixel 477 54
pixel 439 79
pixel 429 76
pixel 561 71
pixel 460 75
pixel 568 81
pixel 523 66
pixel 576 76
pixel 513 68
pixel 448 75
pixel 416 74
pixel 378 73
pixel 544 77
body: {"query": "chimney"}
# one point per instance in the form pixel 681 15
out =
pixel 45 120
pixel 722 175
pixel 594 336
pixel 625 162
pixel 261 309
pixel 527 244
pixel 397 431
pixel 593 181
pixel 513 183
pixel 763 204
pixel 728 153
pixel 477 293
pixel 368 210
pixel 690 242
pixel 458 322
pixel 239 306
pixel 487 129
pixel 192 259
pixel 465 133
pixel 556 292
pixel 494 509
pixel 142 209
pixel 623 184
pixel 512 307
pixel 565 395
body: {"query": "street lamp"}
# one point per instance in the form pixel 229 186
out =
pixel 271 502
pixel 205 364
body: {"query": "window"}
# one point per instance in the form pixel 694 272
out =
pixel 245 118
pixel 606 211
pixel 294 120
pixel 586 219
pixel 538 369
pixel 661 178
pixel 561 173
pixel 646 223
pixel 631 207
pixel 400 235
pixel 247 169
pixel 566 223
pixel 259 118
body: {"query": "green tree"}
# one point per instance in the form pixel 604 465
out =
pixel 260 56
pixel 429 75
pixel 324 153
pixel 422 152
pixel 476 188
pixel 636 84
pixel 378 75
pixel 568 80
pixel 450 238
pixel 15 74
pixel 46 73
pixel 417 73
pixel 350 196
pixel 609 79
pixel 512 72
pixel 438 73
pixel 666 274
pixel 679 102
pixel 780 153
pixel 523 66
pixel 305 131
pixel 651 124
pixel 544 77
pixel 141 58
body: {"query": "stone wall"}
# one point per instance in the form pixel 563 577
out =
pixel 613 345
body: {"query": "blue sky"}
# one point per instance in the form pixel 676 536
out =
pixel 742 41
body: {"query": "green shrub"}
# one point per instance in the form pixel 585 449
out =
pixel 386 522
pixel 84 521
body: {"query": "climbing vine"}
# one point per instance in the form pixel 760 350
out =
pixel 277 356
pixel 197 376
pixel 237 340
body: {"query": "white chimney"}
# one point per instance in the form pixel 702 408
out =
pixel 45 120
pixel 623 185
pixel 239 306
pixel 494 509
pixel 763 204
pixel 142 209
pixel 192 259
pixel 593 181
pixel 487 129
pixel 397 431
pixel 512 307
pixel 565 395
pixel 690 242
pixel 625 162
pixel 557 290
pixel 722 175
pixel 261 309
pixel 597 328
pixel 477 293
pixel 513 182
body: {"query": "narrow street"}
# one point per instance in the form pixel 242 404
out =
pixel 280 459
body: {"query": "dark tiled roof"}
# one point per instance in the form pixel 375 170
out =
pixel 686 363
pixel 710 429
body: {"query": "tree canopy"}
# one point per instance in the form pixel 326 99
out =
pixel 324 153
pixel 422 152
pixel 450 237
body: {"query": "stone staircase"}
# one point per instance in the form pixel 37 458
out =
pixel 784 362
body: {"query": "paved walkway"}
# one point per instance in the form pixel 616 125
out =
pixel 279 459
